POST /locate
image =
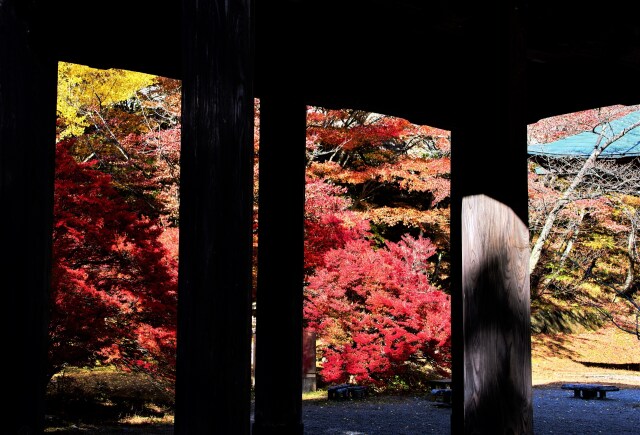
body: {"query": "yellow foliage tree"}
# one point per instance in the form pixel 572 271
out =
pixel 83 91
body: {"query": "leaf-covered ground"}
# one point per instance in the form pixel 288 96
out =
pixel 108 401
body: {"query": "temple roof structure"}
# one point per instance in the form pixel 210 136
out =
pixel 583 144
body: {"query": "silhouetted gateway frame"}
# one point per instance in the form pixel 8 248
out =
pixel 481 70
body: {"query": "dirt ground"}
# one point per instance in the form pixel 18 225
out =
pixel 607 355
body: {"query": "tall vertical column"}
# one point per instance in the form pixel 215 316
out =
pixel 278 387
pixel 489 229
pixel 278 407
pixel 213 386
pixel 27 139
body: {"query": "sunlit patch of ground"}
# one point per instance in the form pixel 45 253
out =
pixel 607 355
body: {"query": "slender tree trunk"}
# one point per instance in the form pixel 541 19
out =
pixel 628 288
pixel 566 251
pixel 574 237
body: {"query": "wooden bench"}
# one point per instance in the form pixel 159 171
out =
pixel 441 395
pixel 346 391
pixel 439 383
pixel 590 391
pixel 440 390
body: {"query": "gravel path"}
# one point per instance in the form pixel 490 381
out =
pixel 556 411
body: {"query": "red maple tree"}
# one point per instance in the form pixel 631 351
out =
pixel 329 222
pixel 395 172
pixel 371 181
pixel 114 285
pixel 375 312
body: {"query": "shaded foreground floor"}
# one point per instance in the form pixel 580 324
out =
pixel 556 360
pixel 556 411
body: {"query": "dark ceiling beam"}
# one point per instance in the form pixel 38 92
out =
pixel 370 54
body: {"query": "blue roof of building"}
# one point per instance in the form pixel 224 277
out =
pixel 582 144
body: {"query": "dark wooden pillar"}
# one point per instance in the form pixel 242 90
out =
pixel 278 405
pixel 489 230
pixel 27 138
pixel 214 300
pixel 278 408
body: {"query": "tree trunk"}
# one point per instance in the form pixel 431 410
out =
pixel 565 253
pixel 628 288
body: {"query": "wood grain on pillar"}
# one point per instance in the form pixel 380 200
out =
pixel 495 283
